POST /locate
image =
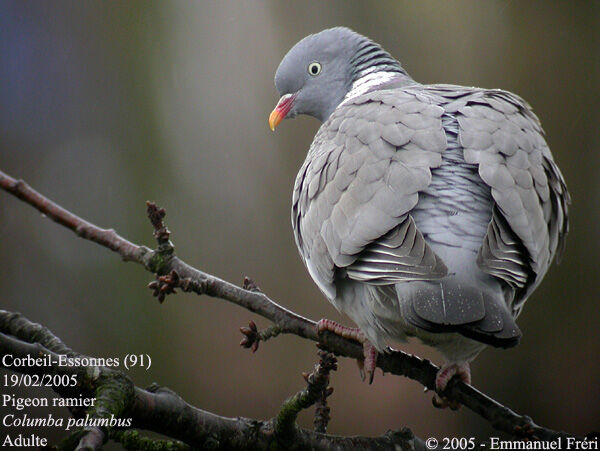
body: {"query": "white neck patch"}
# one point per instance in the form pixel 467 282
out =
pixel 366 82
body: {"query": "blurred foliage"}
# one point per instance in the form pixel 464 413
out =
pixel 107 104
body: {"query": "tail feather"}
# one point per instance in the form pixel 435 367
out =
pixel 450 306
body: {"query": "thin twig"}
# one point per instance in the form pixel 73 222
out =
pixel 316 389
pixel 253 336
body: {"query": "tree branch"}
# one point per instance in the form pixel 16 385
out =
pixel 174 273
pixel 161 410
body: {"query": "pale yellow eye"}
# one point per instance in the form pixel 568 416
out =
pixel 314 68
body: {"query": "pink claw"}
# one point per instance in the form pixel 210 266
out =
pixel 447 372
pixel 368 365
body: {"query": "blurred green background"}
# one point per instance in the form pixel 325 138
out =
pixel 104 105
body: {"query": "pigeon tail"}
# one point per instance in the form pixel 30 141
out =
pixel 452 306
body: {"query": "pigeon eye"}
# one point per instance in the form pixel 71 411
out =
pixel 314 68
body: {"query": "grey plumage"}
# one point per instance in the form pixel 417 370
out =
pixel 421 210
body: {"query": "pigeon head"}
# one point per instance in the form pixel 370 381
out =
pixel 317 73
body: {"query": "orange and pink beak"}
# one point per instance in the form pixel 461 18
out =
pixel 281 110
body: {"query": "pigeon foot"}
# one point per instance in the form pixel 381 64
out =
pixel 447 372
pixel 368 364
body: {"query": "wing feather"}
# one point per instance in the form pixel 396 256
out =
pixel 500 133
pixel 361 178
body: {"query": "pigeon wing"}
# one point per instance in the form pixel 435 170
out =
pixel 360 180
pixel 500 133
